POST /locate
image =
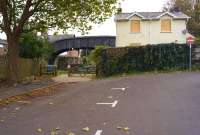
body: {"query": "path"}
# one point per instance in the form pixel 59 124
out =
pixel 22 88
pixel 162 104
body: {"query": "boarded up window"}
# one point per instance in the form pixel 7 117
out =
pixel 135 26
pixel 166 25
pixel 135 44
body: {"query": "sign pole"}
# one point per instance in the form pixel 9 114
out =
pixel 190 57
pixel 190 41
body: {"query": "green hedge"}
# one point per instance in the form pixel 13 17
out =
pixel 162 57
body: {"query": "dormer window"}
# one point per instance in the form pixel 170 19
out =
pixel 135 26
pixel 166 25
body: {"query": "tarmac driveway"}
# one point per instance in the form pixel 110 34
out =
pixel 161 104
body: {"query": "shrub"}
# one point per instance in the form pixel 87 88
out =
pixel 34 47
pixel 94 56
pixel 163 57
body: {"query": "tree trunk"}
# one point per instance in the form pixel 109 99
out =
pixel 13 59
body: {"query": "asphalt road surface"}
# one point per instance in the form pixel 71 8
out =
pixel 161 104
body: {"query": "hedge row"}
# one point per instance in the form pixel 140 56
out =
pixel 163 57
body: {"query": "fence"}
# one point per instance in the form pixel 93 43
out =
pixel 3 67
pixel 196 55
pixel 27 68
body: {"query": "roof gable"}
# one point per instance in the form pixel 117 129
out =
pixel 135 14
pixel 150 15
pixel 166 13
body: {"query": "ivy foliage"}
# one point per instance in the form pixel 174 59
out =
pixel 163 57
pixel 95 54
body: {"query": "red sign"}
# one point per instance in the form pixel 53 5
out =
pixel 190 40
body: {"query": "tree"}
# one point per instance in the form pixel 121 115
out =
pixel 34 47
pixel 189 7
pixel 16 16
pixel 95 54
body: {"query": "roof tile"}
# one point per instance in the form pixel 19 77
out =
pixel 149 15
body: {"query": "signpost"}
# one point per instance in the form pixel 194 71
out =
pixel 190 41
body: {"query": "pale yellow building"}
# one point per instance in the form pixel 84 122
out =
pixel 142 28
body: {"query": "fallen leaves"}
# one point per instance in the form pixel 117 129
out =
pixel 70 133
pixel 86 129
pixel 2 121
pixel 39 130
pixel 58 128
pixel 49 90
pixel 126 129
pixel 53 133
pixel 50 103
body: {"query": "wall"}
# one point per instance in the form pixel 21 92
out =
pixel 150 32
pixel 3 67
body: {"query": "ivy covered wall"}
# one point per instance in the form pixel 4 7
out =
pixel 163 57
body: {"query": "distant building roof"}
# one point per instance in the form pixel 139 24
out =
pixel 54 38
pixel 150 15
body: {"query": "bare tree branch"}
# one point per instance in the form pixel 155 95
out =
pixel 24 17
pixel 27 13
pixel 6 20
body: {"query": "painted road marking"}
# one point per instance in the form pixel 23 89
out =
pixel 122 89
pixel 113 104
pixel 99 132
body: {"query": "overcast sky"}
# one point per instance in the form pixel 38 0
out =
pixel 108 27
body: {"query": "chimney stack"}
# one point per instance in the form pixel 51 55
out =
pixel 119 9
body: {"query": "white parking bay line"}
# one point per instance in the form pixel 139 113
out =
pixel 113 103
pixel 99 132
pixel 122 89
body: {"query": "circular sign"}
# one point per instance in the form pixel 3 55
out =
pixel 190 40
